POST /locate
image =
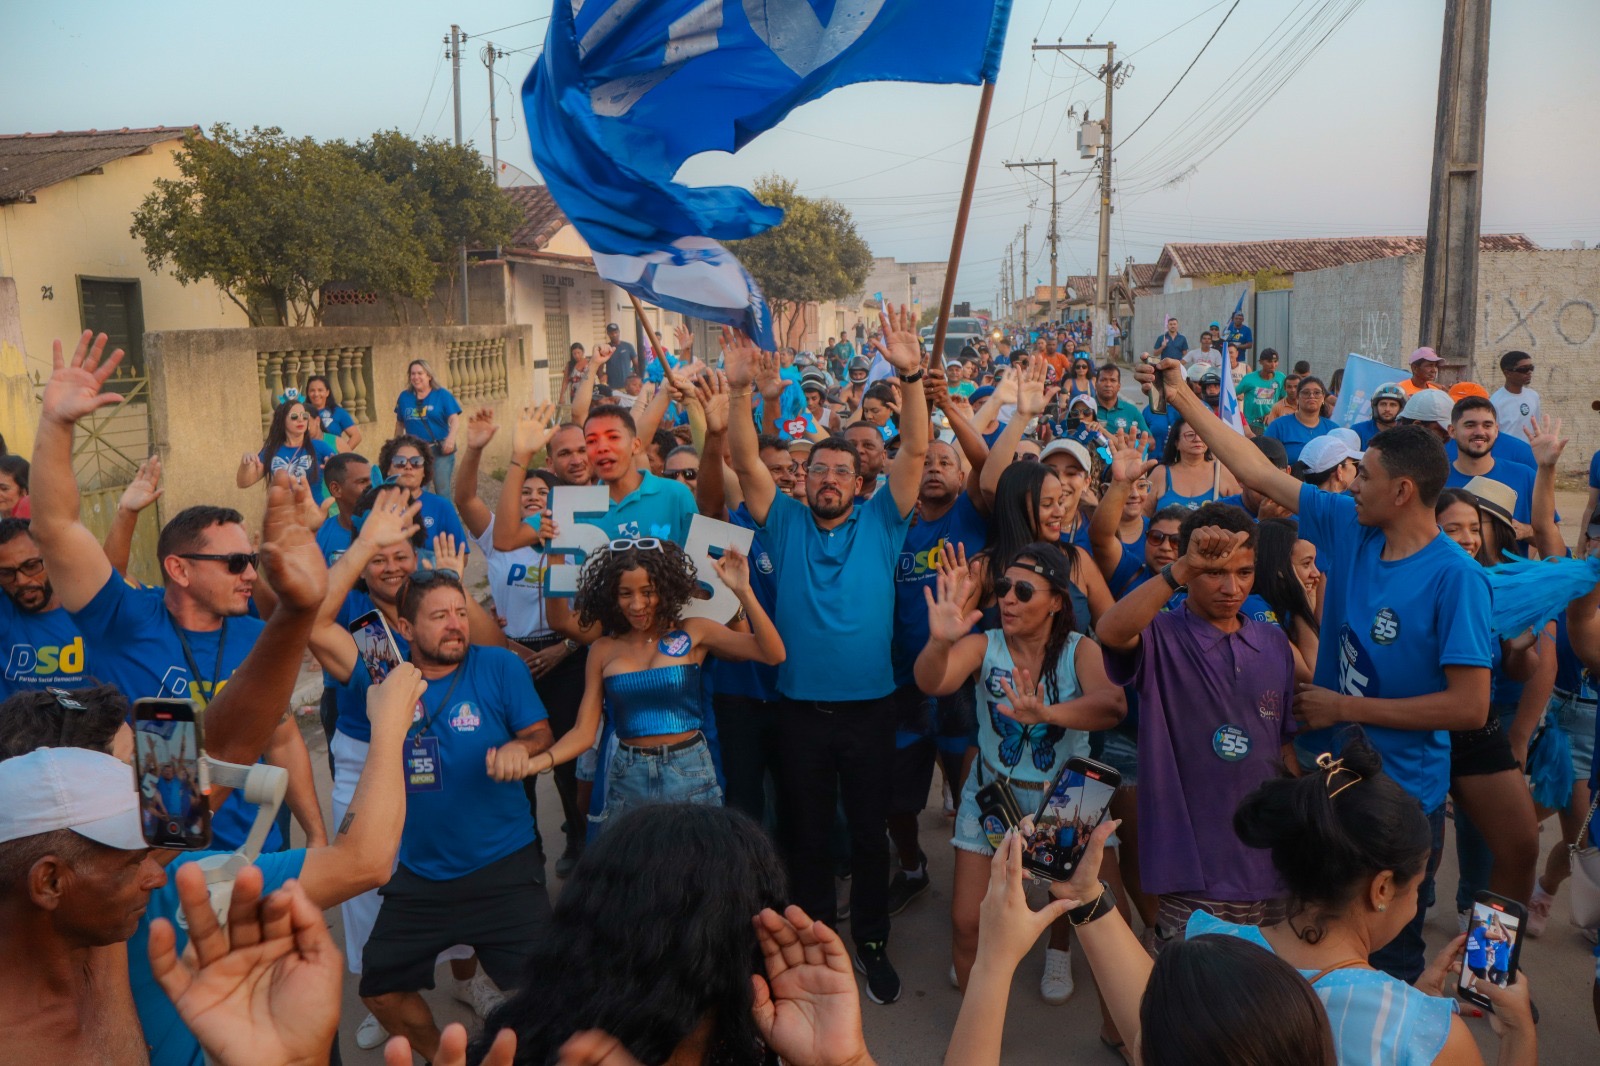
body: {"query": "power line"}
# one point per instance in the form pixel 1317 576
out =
pixel 1185 73
pixel 429 99
pixel 1175 29
pixel 497 29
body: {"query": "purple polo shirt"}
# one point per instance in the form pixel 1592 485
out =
pixel 1213 719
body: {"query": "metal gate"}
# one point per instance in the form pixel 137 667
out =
pixel 1272 324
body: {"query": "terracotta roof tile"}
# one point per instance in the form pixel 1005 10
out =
pixel 1312 253
pixel 541 218
pixel 33 161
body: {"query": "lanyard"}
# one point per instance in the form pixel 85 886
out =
pixel 448 692
pixel 194 669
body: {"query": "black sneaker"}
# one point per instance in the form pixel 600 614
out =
pixel 568 861
pixel 906 886
pixel 883 984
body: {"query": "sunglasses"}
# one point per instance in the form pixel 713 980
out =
pixel 1026 457
pixel 1528 369
pixel 236 561
pixel 689 474
pixel 1159 538
pixel 27 568
pixel 1023 589
pixel 400 462
pixel 643 544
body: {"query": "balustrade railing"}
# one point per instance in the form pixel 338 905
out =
pixel 348 370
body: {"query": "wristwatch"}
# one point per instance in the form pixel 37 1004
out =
pixel 1172 582
pixel 1102 905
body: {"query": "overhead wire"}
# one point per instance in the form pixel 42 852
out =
pixel 1185 74
pixel 429 98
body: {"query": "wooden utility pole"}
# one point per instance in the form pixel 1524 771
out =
pixel 1455 202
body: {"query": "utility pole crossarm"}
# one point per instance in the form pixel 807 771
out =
pixel 1053 236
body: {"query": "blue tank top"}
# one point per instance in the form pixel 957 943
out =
pixel 1031 754
pixel 1192 503
pixel 655 702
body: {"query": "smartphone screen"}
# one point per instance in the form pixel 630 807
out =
pixel 1494 943
pixel 1071 810
pixel 172 788
pixel 375 644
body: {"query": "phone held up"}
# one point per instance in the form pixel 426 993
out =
pixel 376 644
pixel 1494 946
pixel 170 774
pixel 1075 804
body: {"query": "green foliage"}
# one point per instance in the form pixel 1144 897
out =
pixel 268 217
pixel 1266 279
pixel 815 254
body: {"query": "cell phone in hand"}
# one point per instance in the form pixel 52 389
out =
pixel 375 644
pixel 1494 946
pixel 1073 807
pixel 998 811
pixel 170 774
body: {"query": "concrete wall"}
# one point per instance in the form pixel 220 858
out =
pixel 1196 309
pixel 893 278
pixel 1368 308
pixel 80 227
pixel 205 398
pixel 19 412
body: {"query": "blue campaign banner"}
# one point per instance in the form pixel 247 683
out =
pixel 1361 376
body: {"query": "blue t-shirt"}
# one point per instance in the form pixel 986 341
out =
pixel 1390 628
pixel 755 680
pixel 1366 431
pixel 429 417
pixel 660 507
pixel 334 420
pixel 350 698
pixel 471 821
pixel 1514 475
pixel 1296 436
pixel 1505 447
pixel 41 650
pixel 836 598
pixel 171 1042
pixel 439 515
pixel 918 569
pixel 297 461
pixel 334 539
pixel 1167 347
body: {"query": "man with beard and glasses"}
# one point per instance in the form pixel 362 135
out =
pixel 40 642
pixel 835 564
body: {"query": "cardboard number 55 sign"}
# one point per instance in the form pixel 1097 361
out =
pixel 708 539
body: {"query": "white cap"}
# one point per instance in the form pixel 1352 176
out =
pixel 1063 446
pixel 88 792
pixel 1429 405
pixel 1329 450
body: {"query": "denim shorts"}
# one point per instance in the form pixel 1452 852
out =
pixel 969 834
pixel 638 777
pixel 1576 717
pixel 1119 751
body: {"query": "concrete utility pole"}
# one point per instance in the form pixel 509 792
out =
pixel 490 54
pixel 1053 236
pixel 1102 296
pixel 455 41
pixel 1455 201
pixel 1026 293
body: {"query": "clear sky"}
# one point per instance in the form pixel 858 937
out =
pixel 1335 141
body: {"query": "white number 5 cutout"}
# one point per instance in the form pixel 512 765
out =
pixel 566 504
pixel 706 535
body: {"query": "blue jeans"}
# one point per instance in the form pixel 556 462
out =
pixel 444 474
pixel 638 777
pixel 1405 957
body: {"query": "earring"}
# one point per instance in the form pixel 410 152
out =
pixel 1383 907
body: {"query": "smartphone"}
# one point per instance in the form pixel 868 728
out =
pixel 1075 804
pixel 1494 945
pixel 170 774
pixel 376 645
pixel 998 811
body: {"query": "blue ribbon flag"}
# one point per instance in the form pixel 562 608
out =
pixel 627 90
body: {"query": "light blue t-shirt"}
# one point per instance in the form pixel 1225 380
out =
pixel 41 650
pixel 171 1042
pixel 660 507
pixel 1390 628
pixel 471 820
pixel 836 597
pixel 298 462
pixel 1296 436
pixel 333 539
pixel 427 419
pixel 1513 475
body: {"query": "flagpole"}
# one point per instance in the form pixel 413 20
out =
pixel 649 338
pixel 960 235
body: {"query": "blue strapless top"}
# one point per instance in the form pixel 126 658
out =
pixel 655 702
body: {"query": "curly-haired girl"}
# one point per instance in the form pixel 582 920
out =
pixel 644 668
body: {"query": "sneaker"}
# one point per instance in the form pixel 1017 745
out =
pixel 538 866
pixel 841 900
pixel 479 993
pixel 370 1033
pixel 883 984
pixel 1056 985
pixel 568 861
pixel 906 886
pixel 1538 910
pixel 955 981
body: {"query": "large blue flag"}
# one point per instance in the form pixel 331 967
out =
pixel 626 90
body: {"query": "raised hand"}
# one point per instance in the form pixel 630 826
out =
pixel 481 429
pixel 739 355
pixel 1211 546
pixel 453 1049
pixel 448 555
pixel 1544 437
pixel 145 488
pixel 685 341
pixel 251 469
pixel 291 562
pixel 1033 395
pixel 74 388
pixel 807 1008
pixel 532 432
pixel 1128 462
pixel 947 622
pixel 769 379
pixel 712 391
pixel 1027 706
pixel 264 989
pixel 391 520
pixel 390 703
pixel 901 347
pixel 734 570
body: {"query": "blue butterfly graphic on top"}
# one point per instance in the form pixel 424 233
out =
pixel 1042 737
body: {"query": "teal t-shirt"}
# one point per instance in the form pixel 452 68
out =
pixel 1258 393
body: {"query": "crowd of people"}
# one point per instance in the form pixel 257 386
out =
pixel 753 611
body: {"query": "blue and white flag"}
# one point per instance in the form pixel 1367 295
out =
pixel 1228 408
pixel 627 90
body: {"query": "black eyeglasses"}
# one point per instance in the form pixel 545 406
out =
pixel 1023 589
pixel 236 561
pixel 687 474
pixel 400 462
pixel 27 568
pixel 1159 538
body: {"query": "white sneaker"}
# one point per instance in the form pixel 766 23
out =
pixel 955 982
pixel 1539 910
pixel 370 1033
pixel 1056 984
pixel 479 993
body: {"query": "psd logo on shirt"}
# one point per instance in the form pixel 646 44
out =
pixel 464 719
pixel 1385 626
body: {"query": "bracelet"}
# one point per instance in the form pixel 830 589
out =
pixel 739 393
pixel 1103 905
pixel 911 379
pixel 1166 575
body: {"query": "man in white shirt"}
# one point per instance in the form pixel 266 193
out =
pixel 1516 405
pixel 1205 353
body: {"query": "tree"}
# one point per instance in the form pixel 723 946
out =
pixel 814 255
